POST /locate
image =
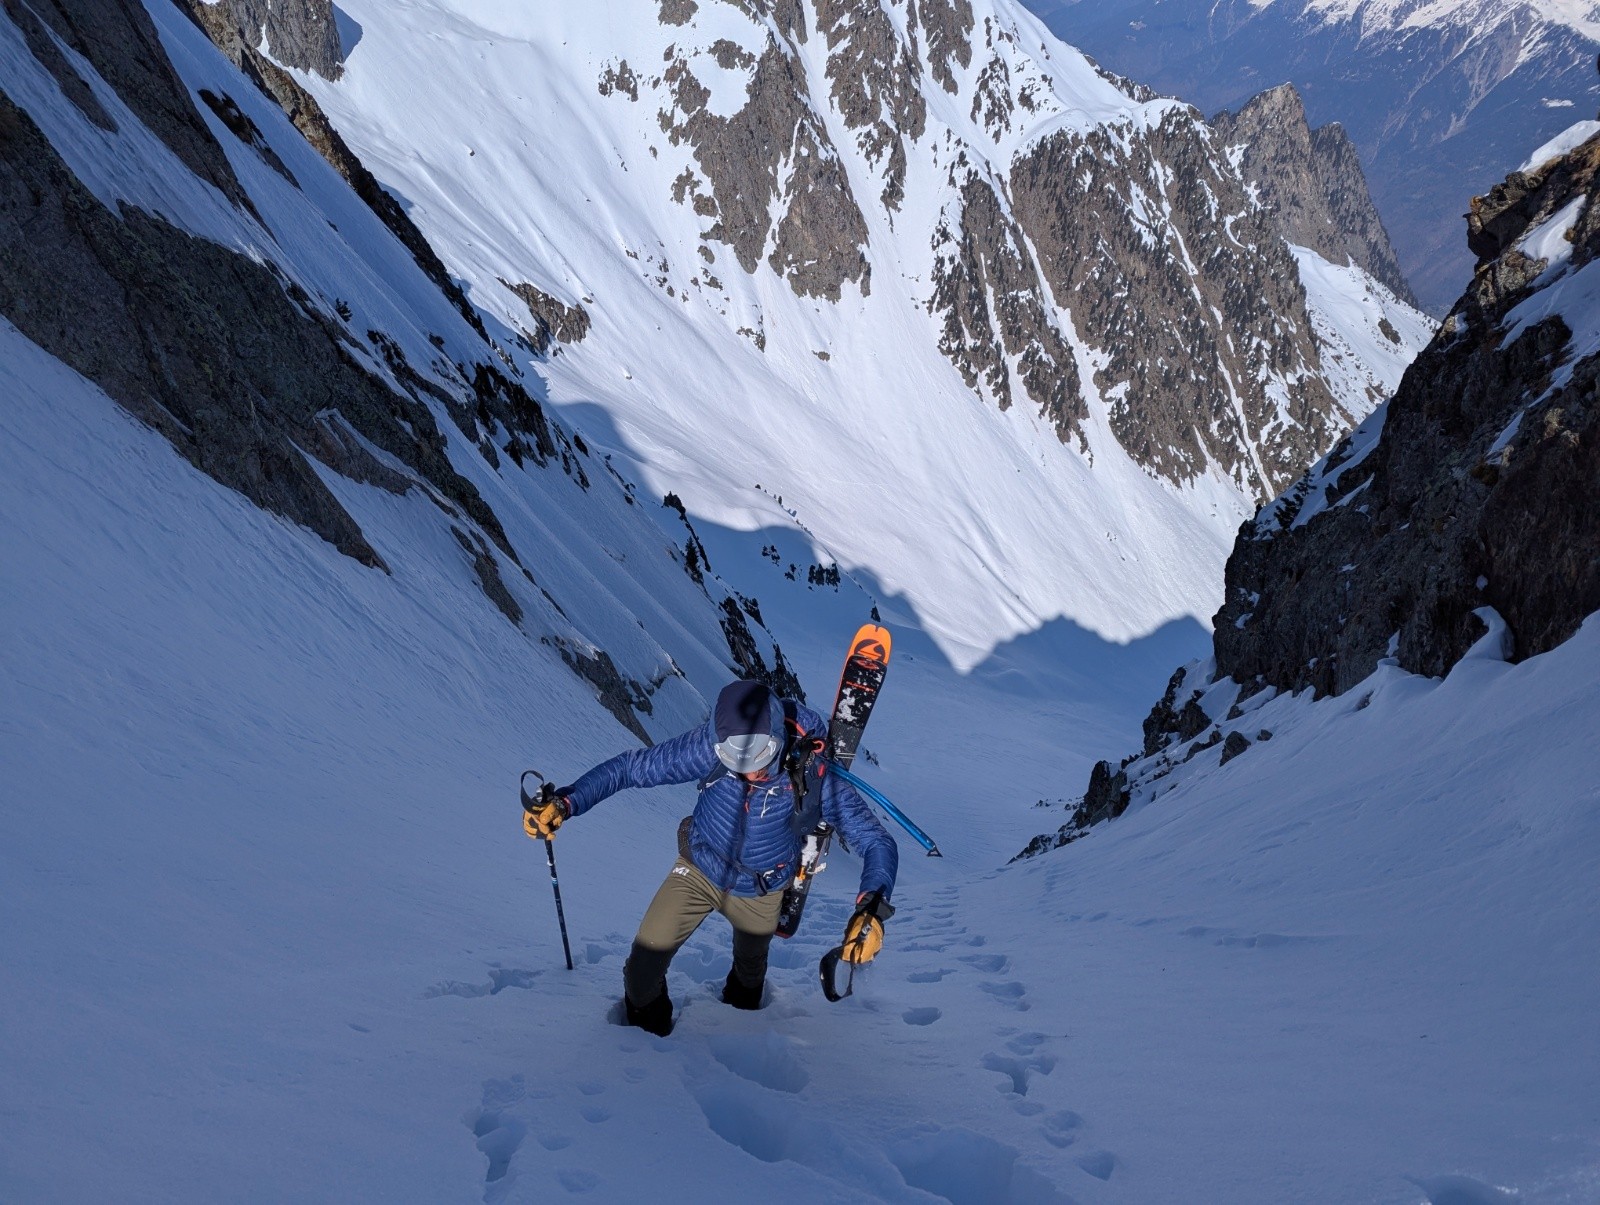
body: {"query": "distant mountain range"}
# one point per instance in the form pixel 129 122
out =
pixel 1439 99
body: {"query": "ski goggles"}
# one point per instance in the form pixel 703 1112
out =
pixel 747 754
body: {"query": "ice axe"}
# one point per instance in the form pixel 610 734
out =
pixel 529 803
pixel 828 970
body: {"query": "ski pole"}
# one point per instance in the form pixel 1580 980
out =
pixel 550 853
pixel 900 818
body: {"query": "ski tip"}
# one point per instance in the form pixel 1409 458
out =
pixel 872 633
pixel 934 852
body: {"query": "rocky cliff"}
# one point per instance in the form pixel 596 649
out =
pixel 1462 510
pixel 1312 182
pixel 296 33
pixel 1473 488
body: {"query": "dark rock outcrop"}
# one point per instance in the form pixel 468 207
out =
pixel 986 286
pixel 623 697
pixel 1194 328
pixel 298 33
pixel 947 29
pixel 1106 797
pixel 121 43
pixel 204 345
pixel 747 659
pixel 553 320
pixel 876 85
pixel 773 173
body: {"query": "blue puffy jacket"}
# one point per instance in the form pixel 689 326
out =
pixel 744 837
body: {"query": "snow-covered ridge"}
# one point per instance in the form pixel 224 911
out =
pixel 1569 139
pixel 1379 16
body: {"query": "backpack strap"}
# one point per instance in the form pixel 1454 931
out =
pixel 800 752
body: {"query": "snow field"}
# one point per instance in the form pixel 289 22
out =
pixel 284 939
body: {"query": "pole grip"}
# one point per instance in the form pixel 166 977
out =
pixel 528 802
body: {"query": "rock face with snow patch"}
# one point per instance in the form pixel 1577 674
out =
pixel 297 33
pixel 1473 488
pixel 769 173
pixel 1312 182
pixel 1206 351
pixel 235 31
pixel 1082 246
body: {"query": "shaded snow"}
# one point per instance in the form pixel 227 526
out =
pixel 261 827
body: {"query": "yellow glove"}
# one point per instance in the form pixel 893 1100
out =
pixel 863 938
pixel 545 816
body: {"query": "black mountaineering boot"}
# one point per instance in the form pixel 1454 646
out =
pixel 655 1017
pixel 740 996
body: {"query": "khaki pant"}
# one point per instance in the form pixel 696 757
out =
pixel 685 899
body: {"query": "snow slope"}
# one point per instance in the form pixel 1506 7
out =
pixel 273 932
pixel 1368 335
pixel 577 524
pixel 486 119
pixel 281 937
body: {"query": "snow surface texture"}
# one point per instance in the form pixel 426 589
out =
pixel 486 119
pixel 282 938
